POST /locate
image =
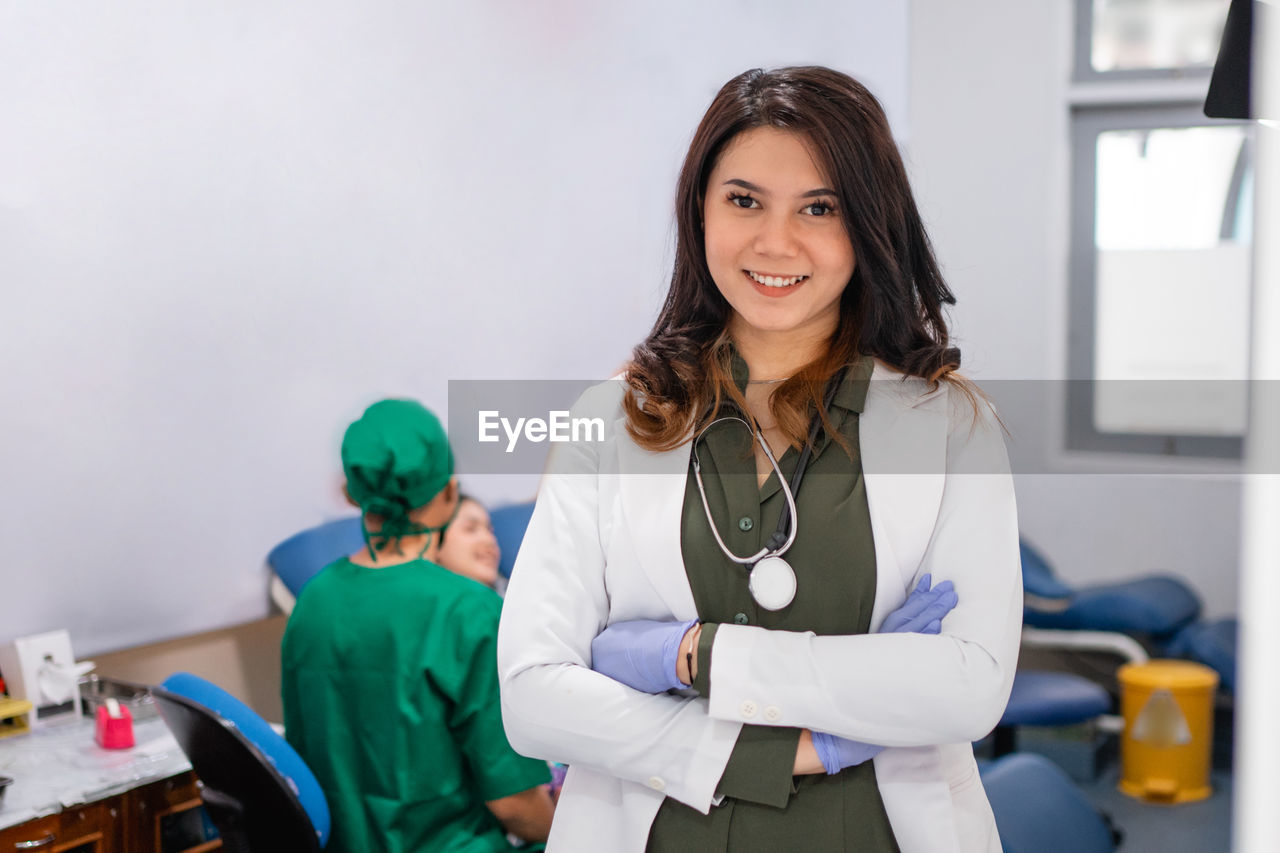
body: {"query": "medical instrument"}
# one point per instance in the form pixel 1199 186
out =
pixel 770 578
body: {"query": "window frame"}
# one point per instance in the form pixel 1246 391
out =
pixel 1102 102
pixel 1084 72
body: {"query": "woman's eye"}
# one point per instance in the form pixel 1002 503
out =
pixel 819 208
pixel 745 202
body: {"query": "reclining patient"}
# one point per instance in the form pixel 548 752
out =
pixel 469 547
pixel 389 679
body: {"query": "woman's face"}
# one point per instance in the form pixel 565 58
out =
pixel 776 245
pixel 470 548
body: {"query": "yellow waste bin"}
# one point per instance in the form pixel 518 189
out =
pixel 1168 730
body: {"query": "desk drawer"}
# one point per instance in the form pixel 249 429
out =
pixel 91 828
pixel 31 832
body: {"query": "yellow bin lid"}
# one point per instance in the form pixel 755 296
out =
pixel 1169 674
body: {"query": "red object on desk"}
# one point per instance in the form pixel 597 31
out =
pixel 114 732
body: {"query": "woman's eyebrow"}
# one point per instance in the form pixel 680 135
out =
pixel 747 185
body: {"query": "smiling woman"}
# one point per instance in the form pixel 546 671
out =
pixel 776 247
pixel 791 173
pixel 840 628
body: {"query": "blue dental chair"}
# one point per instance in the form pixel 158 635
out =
pixel 509 525
pixel 297 559
pixel 256 788
pixel 1129 619
pixel 1039 810
pixel 1047 699
pixel 1053 699
pixel 1155 614
pixel 1154 607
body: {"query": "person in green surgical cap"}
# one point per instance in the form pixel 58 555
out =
pixel 389 678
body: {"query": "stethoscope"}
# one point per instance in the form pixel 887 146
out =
pixel 770 578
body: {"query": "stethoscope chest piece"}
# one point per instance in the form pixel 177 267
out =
pixel 772 583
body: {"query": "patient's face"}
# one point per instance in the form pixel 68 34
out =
pixel 470 548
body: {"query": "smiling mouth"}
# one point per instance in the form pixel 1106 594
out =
pixel 775 280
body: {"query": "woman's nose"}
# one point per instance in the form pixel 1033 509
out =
pixel 775 238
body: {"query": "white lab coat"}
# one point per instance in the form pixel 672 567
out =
pixel 603 546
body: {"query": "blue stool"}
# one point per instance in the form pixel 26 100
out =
pixel 1048 699
pixel 299 558
pixel 509 525
pixel 256 788
pixel 1039 810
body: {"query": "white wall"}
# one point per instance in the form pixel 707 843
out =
pixel 989 158
pixel 225 228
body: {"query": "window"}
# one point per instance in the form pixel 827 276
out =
pixel 1161 236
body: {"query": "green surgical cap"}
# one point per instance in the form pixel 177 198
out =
pixel 396 458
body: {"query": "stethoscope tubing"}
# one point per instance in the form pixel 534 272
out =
pixel 790 519
pixel 786 490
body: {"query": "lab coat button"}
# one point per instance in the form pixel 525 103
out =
pixel 773 713
pixel 748 709
pixel 741 618
pixel 745 523
pixel 656 783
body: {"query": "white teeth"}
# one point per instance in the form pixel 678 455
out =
pixel 776 281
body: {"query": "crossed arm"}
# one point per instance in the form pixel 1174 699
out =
pixel 886 689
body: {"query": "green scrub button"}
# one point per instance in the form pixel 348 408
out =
pixel 745 523
pixel 740 618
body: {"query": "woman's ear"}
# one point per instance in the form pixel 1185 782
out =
pixel 346 494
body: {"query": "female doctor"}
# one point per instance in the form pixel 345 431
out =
pixel 761 557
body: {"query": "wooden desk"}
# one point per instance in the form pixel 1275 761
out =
pixel 71 796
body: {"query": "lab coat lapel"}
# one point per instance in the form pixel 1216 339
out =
pixel 903 438
pixel 651 487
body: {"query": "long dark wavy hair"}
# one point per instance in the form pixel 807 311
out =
pixel 891 308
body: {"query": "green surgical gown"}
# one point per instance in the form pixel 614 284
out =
pixel 390 691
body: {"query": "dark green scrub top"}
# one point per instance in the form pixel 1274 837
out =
pixel 390 689
pixel 765 807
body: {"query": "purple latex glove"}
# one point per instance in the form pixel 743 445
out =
pixel 923 610
pixel 641 654
pixel 921 613
pixel 837 753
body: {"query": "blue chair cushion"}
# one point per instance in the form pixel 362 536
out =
pixel 259 732
pixel 1053 699
pixel 509 525
pixel 299 558
pixel 1157 606
pixel 1212 644
pixel 1039 810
